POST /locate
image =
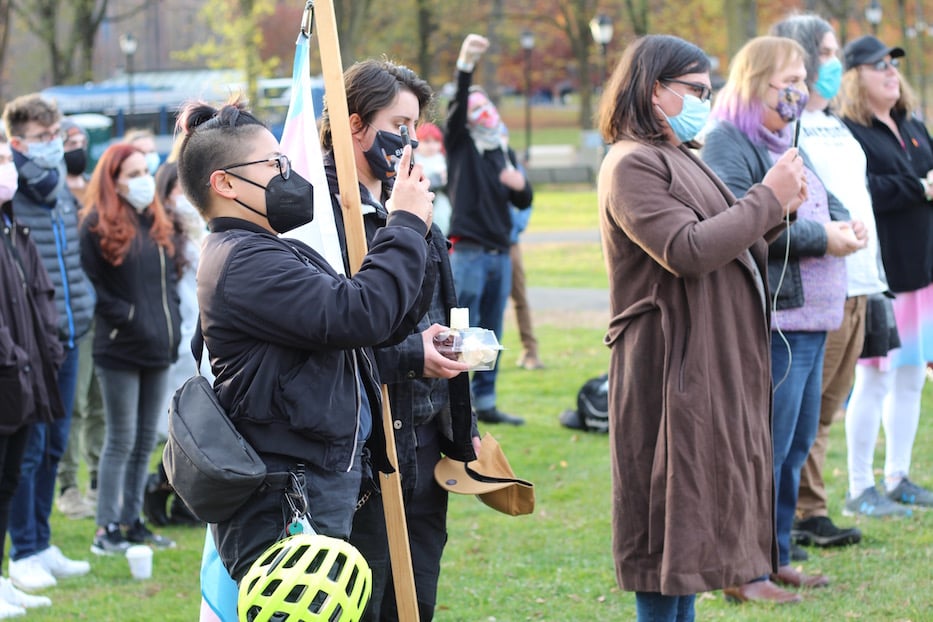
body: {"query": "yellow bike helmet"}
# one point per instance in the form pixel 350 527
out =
pixel 306 578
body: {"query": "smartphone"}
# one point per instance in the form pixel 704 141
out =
pixel 796 133
pixel 406 139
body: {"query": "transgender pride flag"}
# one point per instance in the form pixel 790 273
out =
pixel 300 143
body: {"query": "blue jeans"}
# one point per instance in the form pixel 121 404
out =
pixel 796 419
pixel 133 399
pixel 655 607
pixel 31 507
pixel 483 281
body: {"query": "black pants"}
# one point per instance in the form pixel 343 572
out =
pixel 12 448
pixel 426 514
pixel 262 520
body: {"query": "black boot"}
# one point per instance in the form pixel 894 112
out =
pixel 155 500
pixel 181 515
pixel 494 415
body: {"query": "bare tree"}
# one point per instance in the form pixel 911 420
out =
pixel 68 29
pixel 352 22
pixel 88 16
pixel 573 17
pixel 840 11
pixel 426 25
pixel 638 16
pixel 6 12
pixel 741 22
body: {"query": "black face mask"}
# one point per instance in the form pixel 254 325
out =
pixel 385 153
pixel 76 161
pixel 289 202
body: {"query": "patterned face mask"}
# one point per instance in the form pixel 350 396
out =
pixel 790 103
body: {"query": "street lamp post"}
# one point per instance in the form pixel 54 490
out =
pixel 919 31
pixel 873 16
pixel 601 29
pixel 128 44
pixel 528 44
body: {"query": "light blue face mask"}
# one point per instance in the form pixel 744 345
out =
pixel 828 78
pixel 691 119
pixel 152 162
pixel 47 155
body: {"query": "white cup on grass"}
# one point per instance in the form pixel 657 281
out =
pixel 140 558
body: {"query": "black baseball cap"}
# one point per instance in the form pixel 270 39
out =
pixel 868 50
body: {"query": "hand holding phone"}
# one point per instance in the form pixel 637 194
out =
pixel 403 130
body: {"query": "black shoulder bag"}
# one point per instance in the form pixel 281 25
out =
pixel 208 462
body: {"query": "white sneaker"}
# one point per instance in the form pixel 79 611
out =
pixel 13 596
pixel 60 567
pixel 30 574
pixel 10 611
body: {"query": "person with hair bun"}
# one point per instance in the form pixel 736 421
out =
pixel 289 338
pixel 128 253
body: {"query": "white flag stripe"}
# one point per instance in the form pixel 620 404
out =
pixel 301 144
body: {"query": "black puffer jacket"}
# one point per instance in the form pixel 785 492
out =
pixel 30 352
pixel 54 229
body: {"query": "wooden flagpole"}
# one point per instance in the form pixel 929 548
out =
pixel 332 67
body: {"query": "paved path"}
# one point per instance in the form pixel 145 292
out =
pixel 566 299
pixel 549 237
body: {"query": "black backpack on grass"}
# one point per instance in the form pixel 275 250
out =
pixel 592 412
pixel 161 506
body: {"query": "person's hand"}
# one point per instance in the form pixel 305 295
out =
pixel 477 445
pixel 436 365
pixel 411 192
pixel 512 178
pixel 841 239
pixel 472 48
pixel 860 230
pixel 788 181
pixel 798 200
pixel 927 183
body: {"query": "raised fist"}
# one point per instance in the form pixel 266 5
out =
pixel 473 47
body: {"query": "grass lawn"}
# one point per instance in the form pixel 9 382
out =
pixel 556 564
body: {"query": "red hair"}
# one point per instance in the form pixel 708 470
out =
pixel 429 130
pixel 116 218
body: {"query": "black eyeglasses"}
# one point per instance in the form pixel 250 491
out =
pixel 882 65
pixel 281 161
pixel 703 92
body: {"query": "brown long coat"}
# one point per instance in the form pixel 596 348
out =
pixel 690 396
